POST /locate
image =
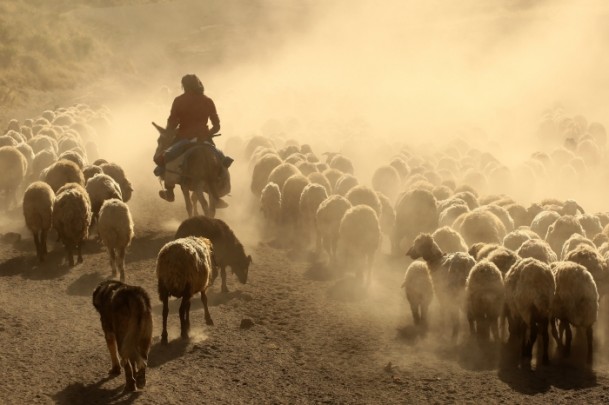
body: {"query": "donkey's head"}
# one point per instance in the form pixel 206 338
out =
pixel 164 140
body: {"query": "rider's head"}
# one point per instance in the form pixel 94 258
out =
pixel 192 84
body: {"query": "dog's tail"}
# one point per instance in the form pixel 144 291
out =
pixel 133 325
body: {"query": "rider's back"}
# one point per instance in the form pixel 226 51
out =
pixel 191 112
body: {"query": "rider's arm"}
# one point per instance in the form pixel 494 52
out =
pixel 213 117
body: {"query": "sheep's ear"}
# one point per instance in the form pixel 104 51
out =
pixel 409 252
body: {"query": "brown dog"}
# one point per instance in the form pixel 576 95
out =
pixel 126 319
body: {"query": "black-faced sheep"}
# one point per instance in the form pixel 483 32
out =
pixel 484 297
pixel 72 218
pixel 419 291
pixel 184 267
pixel 359 238
pixel 13 167
pixel 126 319
pixel 529 291
pixel 575 303
pixel 115 229
pixel 38 202
pixel 228 251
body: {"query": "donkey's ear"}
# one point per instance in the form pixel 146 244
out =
pixel 158 127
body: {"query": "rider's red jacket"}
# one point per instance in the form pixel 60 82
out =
pixel 189 115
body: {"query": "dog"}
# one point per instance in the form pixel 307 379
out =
pixel 126 320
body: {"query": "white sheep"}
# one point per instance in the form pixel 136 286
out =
pixel 115 228
pixel 260 174
pixel 359 238
pixel 270 203
pixel 320 178
pixel 542 221
pixel 38 202
pixel 345 183
pixel 480 226
pixel 386 179
pixel 576 303
pixel 290 199
pixel 387 218
pixel 63 172
pixel 184 267
pixel 529 291
pixel 419 291
pixel 13 168
pixel 561 230
pixel 72 218
pixel 593 262
pixel 310 199
pixel 415 213
pixel 484 297
pixel 118 174
pixel 100 188
pixel 327 223
pixel 517 237
pixel 573 242
pixel 449 240
pixel 42 160
pixel 366 196
pixel 341 163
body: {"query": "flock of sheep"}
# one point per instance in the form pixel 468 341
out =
pixel 514 271
pixel 48 158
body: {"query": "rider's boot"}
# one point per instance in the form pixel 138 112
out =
pixel 167 194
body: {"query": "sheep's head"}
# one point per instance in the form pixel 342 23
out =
pixel 240 264
pixel 571 207
pixel 424 246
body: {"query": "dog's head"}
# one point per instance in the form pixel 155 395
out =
pixel 103 293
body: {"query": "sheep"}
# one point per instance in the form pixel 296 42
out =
pixel 261 172
pixel 538 249
pixel 449 240
pixel 319 178
pixel 228 251
pixel 270 203
pixel 327 223
pixel 386 179
pixel 115 228
pixel 90 171
pixel 63 172
pixel 529 291
pixel 561 230
pixel 184 267
pixel 366 196
pixel 500 213
pixel 593 262
pixel 387 218
pixel 13 167
pixel 42 160
pixel 449 214
pixel 332 175
pixel 542 221
pixel 359 237
pixel 415 212
pixel 28 154
pixel 480 226
pixel 517 237
pixel 419 291
pixel 341 163
pixel 306 167
pixel 503 258
pixel 401 166
pixel 591 224
pixel 281 173
pixel 573 242
pixel 290 198
pixel 576 302
pixel 480 250
pixel 100 188
pixel 255 142
pixel 600 239
pixel 72 218
pixel 38 202
pixel 484 297
pixel 442 192
pixel 42 142
pixel 345 183
pixel 6 140
pixel 310 199
pixel 519 214
pixel 468 196
pixel 126 319
pixel 73 156
pixel 117 173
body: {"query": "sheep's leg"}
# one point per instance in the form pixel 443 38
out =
pixel 79 250
pixel 43 241
pixel 415 312
pixel 165 299
pixel 589 338
pixel 70 254
pixel 472 325
pixel 184 323
pixel 223 275
pixel 37 244
pixel 193 199
pixel 545 339
pixel 129 377
pixel 112 254
pixel 568 338
pixel 532 338
pixel 494 325
pixel 113 349
pixel 121 263
pixel 454 316
pixel 424 310
pixel 554 332
pixel 187 202
pixel 208 320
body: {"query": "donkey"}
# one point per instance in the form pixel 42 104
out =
pixel 200 170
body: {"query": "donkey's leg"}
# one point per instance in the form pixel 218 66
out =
pixel 201 198
pixel 186 194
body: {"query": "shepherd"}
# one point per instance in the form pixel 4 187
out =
pixel 187 126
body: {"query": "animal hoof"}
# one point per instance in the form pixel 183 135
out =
pixel 129 388
pixel 116 370
pixel 209 322
pixel 164 339
pixel 140 381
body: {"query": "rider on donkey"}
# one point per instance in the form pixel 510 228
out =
pixel 188 121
